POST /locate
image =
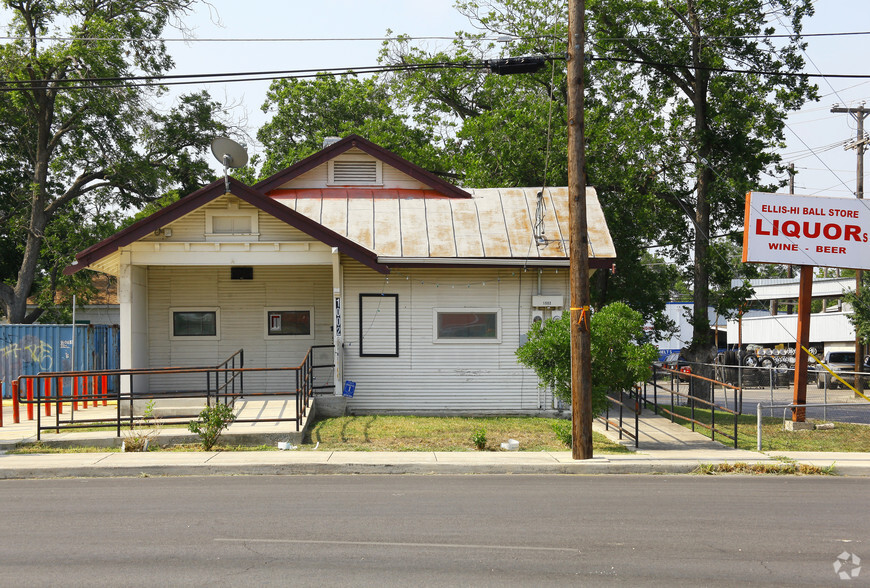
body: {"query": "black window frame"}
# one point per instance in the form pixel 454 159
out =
pixel 381 296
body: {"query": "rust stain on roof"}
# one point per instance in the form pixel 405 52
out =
pixel 494 223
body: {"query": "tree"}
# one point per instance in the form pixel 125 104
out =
pixel 620 355
pixel 79 143
pixel 860 316
pixel 512 131
pixel 715 135
pixel 305 112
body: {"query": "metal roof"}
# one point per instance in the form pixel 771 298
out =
pixel 412 226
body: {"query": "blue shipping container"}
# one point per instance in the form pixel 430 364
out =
pixel 31 349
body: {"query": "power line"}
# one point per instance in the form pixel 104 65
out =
pixel 210 78
pixel 729 69
pixel 60 38
pixel 206 78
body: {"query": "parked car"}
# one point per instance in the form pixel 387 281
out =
pixel 843 364
pixel 676 361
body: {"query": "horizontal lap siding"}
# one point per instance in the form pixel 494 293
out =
pixel 242 306
pixel 446 376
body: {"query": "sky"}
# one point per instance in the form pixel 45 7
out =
pixel 268 19
pixel 814 134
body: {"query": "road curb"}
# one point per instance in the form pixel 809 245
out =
pixel 307 469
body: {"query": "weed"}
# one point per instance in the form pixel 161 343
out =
pixel 479 438
pixel 564 432
pixel 777 469
pixel 136 438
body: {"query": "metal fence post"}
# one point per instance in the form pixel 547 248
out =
pixel 757 427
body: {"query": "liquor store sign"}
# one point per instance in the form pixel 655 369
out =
pixel 807 230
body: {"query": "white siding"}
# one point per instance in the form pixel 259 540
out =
pixel 242 305
pixel 191 228
pixel 438 376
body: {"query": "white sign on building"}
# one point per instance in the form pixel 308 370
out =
pixel 807 230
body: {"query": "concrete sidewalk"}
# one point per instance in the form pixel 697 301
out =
pixel 665 448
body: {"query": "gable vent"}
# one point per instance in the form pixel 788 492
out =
pixel 365 173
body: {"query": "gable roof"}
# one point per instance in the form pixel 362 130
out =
pixel 202 197
pixel 330 152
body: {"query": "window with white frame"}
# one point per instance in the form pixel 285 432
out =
pixel 231 224
pixel 467 325
pixel 195 323
pixel 296 322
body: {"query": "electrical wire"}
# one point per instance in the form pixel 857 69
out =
pixel 89 83
pixel 61 38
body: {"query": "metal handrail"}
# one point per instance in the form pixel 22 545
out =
pixel 227 391
pixel 738 401
pixel 618 425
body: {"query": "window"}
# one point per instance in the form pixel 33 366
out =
pixel 231 224
pixel 379 325
pixel 241 273
pixel 467 325
pixel 294 323
pixel 195 323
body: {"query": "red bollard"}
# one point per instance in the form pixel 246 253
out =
pixel 95 392
pixel 60 396
pixel 75 394
pixel 105 390
pixel 47 397
pixel 15 416
pixel 29 399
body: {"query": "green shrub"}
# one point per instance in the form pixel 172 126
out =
pixel 620 355
pixel 479 438
pixel 211 423
pixel 563 430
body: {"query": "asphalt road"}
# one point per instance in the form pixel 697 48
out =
pixel 431 531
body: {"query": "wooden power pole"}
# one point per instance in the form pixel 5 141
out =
pixel 860 145
pixel 581 356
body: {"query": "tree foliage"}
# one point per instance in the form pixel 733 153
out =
pixel 305 112
pixel 714 129
pixel 78 144
pixel 860 315
pixel 620 355
pixel 675 140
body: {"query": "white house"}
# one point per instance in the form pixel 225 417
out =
pixel 425 289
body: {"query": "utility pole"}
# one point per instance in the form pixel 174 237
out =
pixel 581 355
pixel 860 145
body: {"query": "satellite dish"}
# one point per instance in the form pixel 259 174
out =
pixel 230 154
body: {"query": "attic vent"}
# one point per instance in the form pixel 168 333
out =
pixel 358 173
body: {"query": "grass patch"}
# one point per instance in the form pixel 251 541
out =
pixel 777 469
pixel 398 433
pixel 845 437
pixel 39 447
pixel 413 433
pixel 108 426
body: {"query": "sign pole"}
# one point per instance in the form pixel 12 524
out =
pixel 805 297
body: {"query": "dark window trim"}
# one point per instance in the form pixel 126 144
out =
pixel 362 352
pixel 175 335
